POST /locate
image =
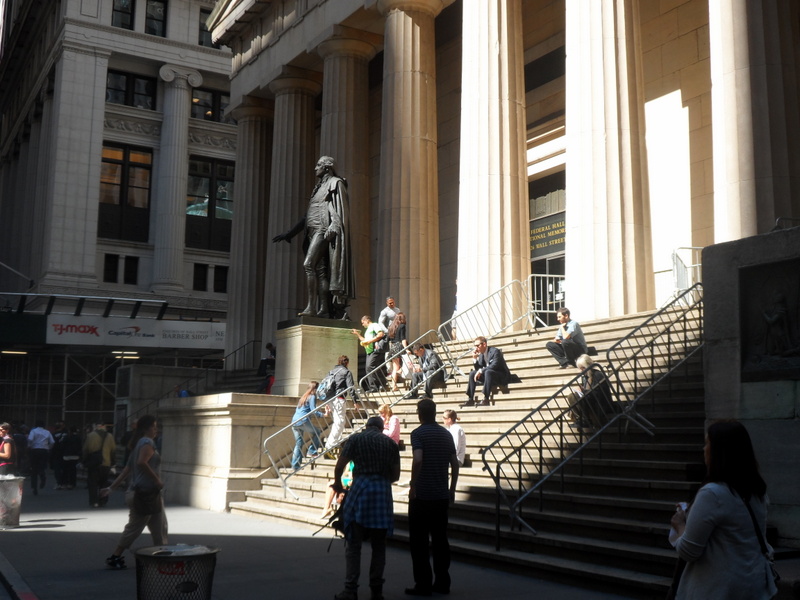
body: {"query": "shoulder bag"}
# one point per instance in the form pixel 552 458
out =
pixel 763 545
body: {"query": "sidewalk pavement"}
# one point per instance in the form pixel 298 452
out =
pixel 58 553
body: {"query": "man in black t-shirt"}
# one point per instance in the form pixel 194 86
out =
pixel 430 497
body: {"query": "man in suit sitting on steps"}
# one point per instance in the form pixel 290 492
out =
pixel 490 369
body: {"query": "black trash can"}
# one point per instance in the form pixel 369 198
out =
pixel 10 500
pixel 179 572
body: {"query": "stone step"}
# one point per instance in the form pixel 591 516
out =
pixel 610 509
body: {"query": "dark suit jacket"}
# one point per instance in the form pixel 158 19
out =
pixel 497 362
pixel 430 362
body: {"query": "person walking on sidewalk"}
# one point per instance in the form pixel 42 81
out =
pixel 98 451
pixel 39 443
pixel 143 495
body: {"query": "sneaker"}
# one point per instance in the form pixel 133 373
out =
pixel 346 595
pixel 115 562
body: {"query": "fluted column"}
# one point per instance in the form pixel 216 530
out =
pixel 754 99
pixel 608 247
pixel 291 182
pixel 493 222
pixel 69 247
pixel 344 136
pixel 173 173
pixel 248 255
pixel 407 224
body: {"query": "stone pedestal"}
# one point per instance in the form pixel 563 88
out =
pixel 212 446
pixel 307 348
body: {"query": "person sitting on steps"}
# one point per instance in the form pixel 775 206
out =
pixel 569 342
pixel 490 369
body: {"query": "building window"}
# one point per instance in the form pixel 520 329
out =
pixel 204 38
pixel 221 279
pixel 155 22
pixel 111 268
pixel 200 277
pixel 131 90
pixel 130 273
pixel 125 193
pixel 209 204
pixel 210 105
pixel 122 14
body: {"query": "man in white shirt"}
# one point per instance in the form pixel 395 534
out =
pixel 39 443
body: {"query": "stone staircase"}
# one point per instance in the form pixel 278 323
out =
pixel 603 524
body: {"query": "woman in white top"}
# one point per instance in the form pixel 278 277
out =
pixel 449 419
pixel 717 536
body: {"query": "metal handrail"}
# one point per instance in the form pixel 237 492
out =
pixel 541 444
pixel 652 346
pixel 505 309
pixel 279 446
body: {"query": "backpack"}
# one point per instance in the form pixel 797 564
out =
pixel 95 459
pixel 326 387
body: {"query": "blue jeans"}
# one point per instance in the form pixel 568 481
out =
pixel 299 432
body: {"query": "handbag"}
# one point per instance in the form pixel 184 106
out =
pixel 146 501
pixel 775 575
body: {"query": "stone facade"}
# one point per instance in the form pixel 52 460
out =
pixel 605 109
pixel 60 108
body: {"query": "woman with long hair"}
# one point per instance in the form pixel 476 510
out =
pixel 143 494
pixel 720 537
pixel 302 425
pixel 397 344
pixel 391 423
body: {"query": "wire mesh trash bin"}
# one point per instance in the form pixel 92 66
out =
pixel 179 572
pixel 10 500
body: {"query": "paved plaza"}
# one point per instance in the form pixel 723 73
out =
pixel 58 553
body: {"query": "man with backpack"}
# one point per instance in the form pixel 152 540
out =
pixel 98 451
pixel 333 386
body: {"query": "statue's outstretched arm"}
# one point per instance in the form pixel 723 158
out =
pixel 287 237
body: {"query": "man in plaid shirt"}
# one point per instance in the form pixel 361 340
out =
pixel 368 510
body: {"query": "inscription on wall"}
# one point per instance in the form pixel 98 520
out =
pixel 547 235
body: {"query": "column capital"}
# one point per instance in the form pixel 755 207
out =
pixel 431 7
pixel 346 41
pixel 296 80
pixel 254 108
pixel 178 75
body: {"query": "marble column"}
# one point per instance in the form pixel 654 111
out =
pixel 755 106
pixel 249 228
pixel 493 221
pixel 291 182
pixel 407 219
pixel 70 241
pixel 344 135
pixel 608 247
pixel 173 173
pixel 40 197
